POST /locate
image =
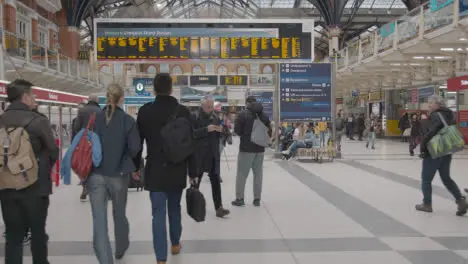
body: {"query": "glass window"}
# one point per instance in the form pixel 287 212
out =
pixel 267 70
pixel 222 70
pixel 177 70
pixel 242 70
pixel 197 70
pixel 151 69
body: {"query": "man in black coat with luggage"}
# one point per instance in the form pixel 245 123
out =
pixel 208 134
pixel 164 180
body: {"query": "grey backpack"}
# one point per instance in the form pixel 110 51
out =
pixel 259 134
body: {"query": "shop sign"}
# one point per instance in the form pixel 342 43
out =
pixel 364 96
pixel 51 95
pixel 425 92
pixel 457 83
pixel 375 96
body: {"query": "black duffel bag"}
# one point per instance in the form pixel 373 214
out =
pixel 196 204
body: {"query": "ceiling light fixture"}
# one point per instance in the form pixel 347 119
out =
pixel 462 39
pixel 418 57
pixel 446 49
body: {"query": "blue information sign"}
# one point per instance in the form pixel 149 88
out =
pixel 266 99
pixel 141 84
pixel 305 91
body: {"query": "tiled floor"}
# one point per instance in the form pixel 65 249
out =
pixel 356 210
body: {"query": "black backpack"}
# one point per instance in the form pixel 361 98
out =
pixel 177 137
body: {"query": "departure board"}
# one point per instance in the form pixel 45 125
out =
pixel 154 48
pixel 235 80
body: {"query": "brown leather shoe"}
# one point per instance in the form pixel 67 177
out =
pixel 175 250
pixel 424 208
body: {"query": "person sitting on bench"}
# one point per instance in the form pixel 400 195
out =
pixel 307 142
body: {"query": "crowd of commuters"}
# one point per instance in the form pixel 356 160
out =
pixel 122 138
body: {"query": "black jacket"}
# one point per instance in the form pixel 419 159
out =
pixel 415 128
pixel 207 143
pixel 434 125
pixel 43 144
pixel 244 124
pixel 160 176
pixel 120 143
pixel 82 118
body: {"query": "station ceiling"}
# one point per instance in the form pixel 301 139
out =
pixel 357 16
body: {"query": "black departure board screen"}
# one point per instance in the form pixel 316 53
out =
pixel 148 41
pixel 203 80
pixel 234 80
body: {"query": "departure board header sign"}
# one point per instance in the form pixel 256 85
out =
pixel 305 91
pixel 234 80
pixel 210 80
pixel 140 40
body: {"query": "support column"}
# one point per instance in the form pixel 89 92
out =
pixel 9 16
pixel 74 42
pixel 34 30
pixel 69 37
pixel 333 39
pixel 51 39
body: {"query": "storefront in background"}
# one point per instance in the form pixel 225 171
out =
pixel 459 85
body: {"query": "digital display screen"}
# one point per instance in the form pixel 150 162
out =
pixel 130 48
pixel 154 41
pixel 238 80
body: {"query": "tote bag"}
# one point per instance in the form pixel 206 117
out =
pixel 447 141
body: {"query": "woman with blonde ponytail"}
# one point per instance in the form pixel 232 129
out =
pixel 120 142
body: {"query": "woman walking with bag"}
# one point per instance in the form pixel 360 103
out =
pixel 120 143
pixel 440 116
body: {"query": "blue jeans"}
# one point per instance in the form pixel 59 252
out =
pixel 322 138
pixel 429 168
pixel 371 139
pixel 296 145
pixel 159 202
pixel 99 189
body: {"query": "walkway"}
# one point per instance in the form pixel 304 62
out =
pixel 358 210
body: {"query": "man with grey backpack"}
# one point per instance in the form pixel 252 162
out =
pixel 253 128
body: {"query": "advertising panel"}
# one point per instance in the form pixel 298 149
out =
pixel 262 80
pixel 196 93
pixel 305 91
pixel 266 99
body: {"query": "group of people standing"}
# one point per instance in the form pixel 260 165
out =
pixel 362 126
pixel 121 140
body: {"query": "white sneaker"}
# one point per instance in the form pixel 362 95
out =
pixel 286 152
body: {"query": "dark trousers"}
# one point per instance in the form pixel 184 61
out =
pixel 29 212
pixel 361 133
pixel 162 202
pixel 215 187
pixel 429 169
pixel 413 143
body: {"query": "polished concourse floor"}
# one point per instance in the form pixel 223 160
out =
pixel 356 210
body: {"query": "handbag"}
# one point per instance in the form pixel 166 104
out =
pixel 196 204
pixel 407 132
pixel 447 141
pixel 82 161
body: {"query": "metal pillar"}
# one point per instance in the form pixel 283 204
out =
pixel 333 108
